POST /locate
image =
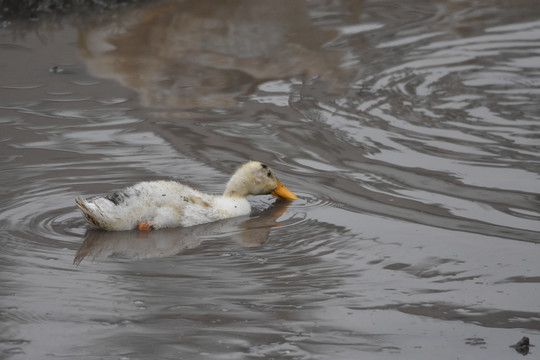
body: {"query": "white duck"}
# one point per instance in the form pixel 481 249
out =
pixel 165 204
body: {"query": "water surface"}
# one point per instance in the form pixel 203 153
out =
pixel 409 131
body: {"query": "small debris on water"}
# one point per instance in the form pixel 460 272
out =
pixel 56 69
pixel 522 346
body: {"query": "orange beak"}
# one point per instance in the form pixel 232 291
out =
pixel 283 192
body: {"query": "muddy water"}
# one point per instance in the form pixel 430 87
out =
pixel 408 129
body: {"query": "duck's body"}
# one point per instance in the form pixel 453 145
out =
pixel 166 204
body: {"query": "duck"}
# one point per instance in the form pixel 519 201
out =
pixel 161 204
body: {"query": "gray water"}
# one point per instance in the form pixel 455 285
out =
pixel 408 129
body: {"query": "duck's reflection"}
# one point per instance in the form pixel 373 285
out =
pixel 137 245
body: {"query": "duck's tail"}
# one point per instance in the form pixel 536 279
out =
pixel 91 212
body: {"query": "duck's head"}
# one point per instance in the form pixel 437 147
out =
pixel 256 178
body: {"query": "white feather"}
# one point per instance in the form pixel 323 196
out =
pixel 166 204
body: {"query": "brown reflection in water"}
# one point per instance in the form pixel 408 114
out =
pixel 153 244
pixel 206 53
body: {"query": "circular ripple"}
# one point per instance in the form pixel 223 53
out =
pixel 38 215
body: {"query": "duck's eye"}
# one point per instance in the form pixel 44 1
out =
pixel 269 174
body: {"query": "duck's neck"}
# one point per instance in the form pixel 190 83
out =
pixel 236 187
